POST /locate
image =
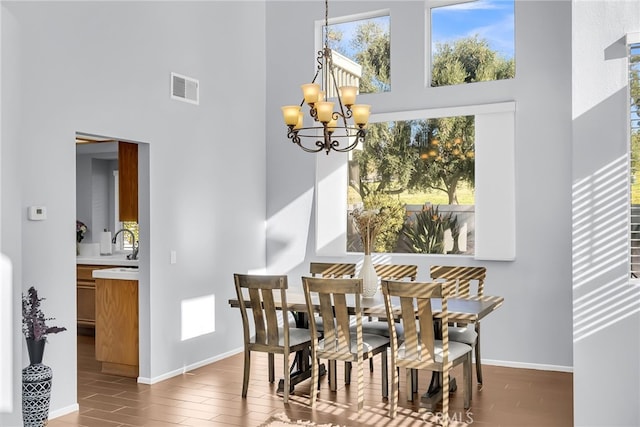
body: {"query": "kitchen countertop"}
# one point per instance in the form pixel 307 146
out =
pixel 119 258
pixel 116 273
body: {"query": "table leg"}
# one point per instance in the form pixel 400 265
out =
pixel 301 367
pixel 433 396
pixel 300 370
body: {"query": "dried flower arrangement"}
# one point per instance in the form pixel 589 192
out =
pixel 367 223
pixel 34 324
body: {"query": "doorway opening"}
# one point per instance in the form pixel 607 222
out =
pixel 101 207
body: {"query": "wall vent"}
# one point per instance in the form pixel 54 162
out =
pixel 185 89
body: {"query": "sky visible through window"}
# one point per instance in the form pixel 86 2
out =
pixel 492 20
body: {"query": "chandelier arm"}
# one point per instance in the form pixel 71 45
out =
pixel 295 138
pixel 359 138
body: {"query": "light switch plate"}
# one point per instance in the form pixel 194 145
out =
pixel 37 213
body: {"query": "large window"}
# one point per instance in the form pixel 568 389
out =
pixel 471 41
pixel 494 182
pixel 420 174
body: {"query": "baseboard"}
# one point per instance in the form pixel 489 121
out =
pixel 190 367
pixel 64 411
pixel 521 365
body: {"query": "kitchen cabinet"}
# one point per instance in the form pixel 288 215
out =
pixel 117 326
pixel 128 181
pixel 85 295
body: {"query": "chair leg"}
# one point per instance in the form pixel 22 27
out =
pixel 315 385
pixel 370 365
pixel 245 375
pixel 347 372
pixel 477 352
pixel 272 375
pixel 287 377
pixel 393 405
pixel 409 384
pixel 333 381
pixel 414 380
pixel 385 374
pixel 445 397
pixel 360 374
pixel 466 377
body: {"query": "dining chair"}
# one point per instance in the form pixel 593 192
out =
pixel 335 270
pixel 460 280
pixel 271 335
pixel 420 349
pixel 329 297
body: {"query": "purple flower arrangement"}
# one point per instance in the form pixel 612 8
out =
pixel 34 323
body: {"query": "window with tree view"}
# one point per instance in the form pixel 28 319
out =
pixel 471 41
pixel 419 174
pixel 362 47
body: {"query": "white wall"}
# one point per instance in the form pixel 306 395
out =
pixel 606 308
pixel 104 68
pixel 539 280
pixel 10 211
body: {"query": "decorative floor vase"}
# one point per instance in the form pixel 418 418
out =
pixel 369 277
pixel 36 394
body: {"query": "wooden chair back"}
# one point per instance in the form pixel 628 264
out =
pixel 331 295
pixel 330 269
pixel 396 271
pixel 256 294
pixel 459 279
pixel 413 309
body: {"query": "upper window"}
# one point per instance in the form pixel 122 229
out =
pixel 363 47
pixel 471 41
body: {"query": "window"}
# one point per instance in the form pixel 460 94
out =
pixel 634 153
pixel 494 177
pixel 362 49
pixel 471 41
pixel 421 173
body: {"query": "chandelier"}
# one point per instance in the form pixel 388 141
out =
pixel 331 120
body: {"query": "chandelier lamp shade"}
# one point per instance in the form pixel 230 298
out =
pixel 338 125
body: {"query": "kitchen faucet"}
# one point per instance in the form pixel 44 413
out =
pixel 134 252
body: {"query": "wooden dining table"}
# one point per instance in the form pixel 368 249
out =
pixel 467 310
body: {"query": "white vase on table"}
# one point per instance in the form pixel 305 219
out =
pixel 369 277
